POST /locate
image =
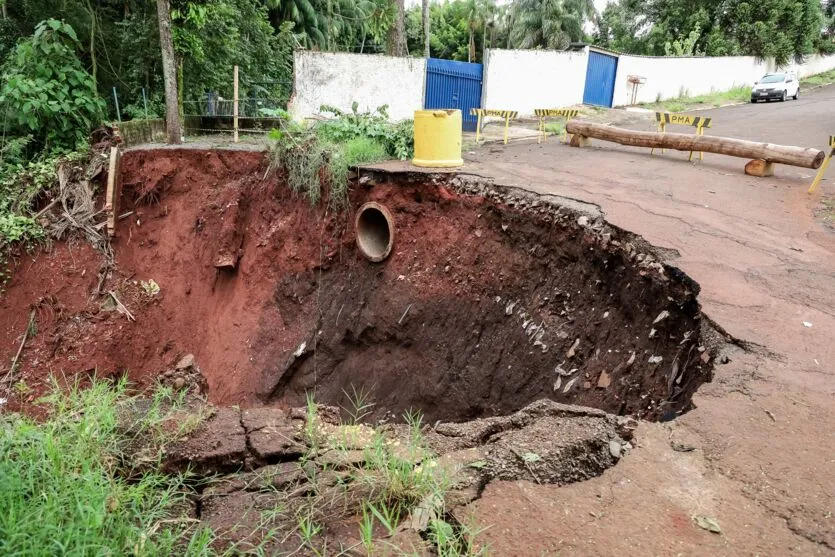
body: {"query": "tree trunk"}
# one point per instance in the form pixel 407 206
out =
pixel 782 154
pixel 169 73
pixel 397 34
pixel 426 30
pixel 92 13
pixel 471 46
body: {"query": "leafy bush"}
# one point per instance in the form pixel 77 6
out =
pixel 47 92
pixel 322 155
pixel 398 139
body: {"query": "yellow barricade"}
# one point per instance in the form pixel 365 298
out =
pixel 698 122
pixel 508 115
pixel 542 113
pixel 822 169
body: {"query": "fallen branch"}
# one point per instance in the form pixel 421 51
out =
pixel 29 325
pixel 120 307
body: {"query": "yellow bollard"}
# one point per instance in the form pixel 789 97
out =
pixel 437 138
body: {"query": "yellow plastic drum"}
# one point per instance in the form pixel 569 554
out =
pixel 438 138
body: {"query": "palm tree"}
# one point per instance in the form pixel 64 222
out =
pixel 305 15
pixel 551 24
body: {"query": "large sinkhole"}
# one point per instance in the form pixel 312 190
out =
pixel 489 300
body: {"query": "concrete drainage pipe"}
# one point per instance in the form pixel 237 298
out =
pixel 375 231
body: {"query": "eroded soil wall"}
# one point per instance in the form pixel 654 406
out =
pixel 490 300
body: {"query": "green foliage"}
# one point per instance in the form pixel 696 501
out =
pixel 551 24
pixel 460 29
pixel 63 490
pixel 321 156
pixel 47 92
pixel 685 46
pixel 784 29
pixel 397 139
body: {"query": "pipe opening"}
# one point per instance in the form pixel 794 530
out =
pixel 375 231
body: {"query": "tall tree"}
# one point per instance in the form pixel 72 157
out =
pixel 426 28
pixel 397 32
pixel 169 73
pixel 552 24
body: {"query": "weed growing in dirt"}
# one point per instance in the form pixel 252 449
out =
pixel 321 156
pixel 396 139
pixel 64 488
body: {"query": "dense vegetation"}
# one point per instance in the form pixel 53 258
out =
pixel 784 29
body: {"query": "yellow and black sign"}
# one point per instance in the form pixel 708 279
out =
pixel 683 119
pixel 564 112
pixel 698 122
pixel 824 166
pixel 508 115
pixel 542 113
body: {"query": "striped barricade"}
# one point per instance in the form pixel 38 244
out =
pixel 698 122
pixel 508 115
pixel 543 113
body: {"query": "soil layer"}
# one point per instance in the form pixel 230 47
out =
pixel 491 299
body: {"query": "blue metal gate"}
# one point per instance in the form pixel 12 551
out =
pixel 452 84
pixel 600 79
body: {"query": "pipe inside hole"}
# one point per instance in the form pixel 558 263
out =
pixel 375 231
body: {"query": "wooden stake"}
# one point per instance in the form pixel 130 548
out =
pixel 29 324
pixel 235 102
pixel 111 198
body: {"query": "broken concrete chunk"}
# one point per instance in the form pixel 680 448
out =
pixel 217 446
pixel 254 419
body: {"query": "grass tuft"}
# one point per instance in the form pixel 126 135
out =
pixel 64 491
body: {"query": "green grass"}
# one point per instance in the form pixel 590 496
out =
pixel 683 103
pixel 65 491
pixel 554 128
pixel 363 150
pixel 824 78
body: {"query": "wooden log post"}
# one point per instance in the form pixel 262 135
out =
pixel 767 152
pixel 235 103
pixel 111 198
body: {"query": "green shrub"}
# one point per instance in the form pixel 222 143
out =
pixel 398 139
pixel 47 92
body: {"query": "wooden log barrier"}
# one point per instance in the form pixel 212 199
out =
pixel 767 152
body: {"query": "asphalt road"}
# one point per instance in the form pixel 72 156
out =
pixel 806 122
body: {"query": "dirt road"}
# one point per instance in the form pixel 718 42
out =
pixel 758 452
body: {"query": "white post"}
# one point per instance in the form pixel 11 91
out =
pixel 235 103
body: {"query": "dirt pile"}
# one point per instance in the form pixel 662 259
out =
pixel 489 300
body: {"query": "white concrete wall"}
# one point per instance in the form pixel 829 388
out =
pixel 669 78
pixel 814 65
pixel 339 79
pixel 524 80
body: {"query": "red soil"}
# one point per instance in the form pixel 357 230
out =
pixel 455 352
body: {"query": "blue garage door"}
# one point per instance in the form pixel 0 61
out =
pixel 600 79
pixel 454 85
